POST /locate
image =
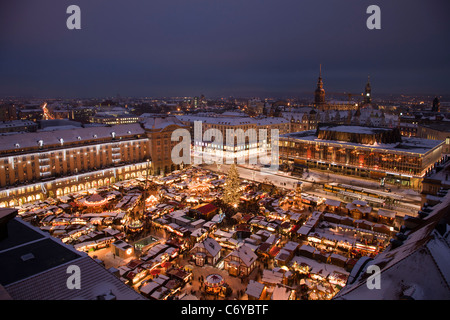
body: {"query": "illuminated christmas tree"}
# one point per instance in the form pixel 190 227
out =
pixel 232 193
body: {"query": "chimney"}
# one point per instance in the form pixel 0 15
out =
pixel 6 214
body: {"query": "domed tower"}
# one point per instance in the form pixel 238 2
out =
pixel 368 92
pixel 319 94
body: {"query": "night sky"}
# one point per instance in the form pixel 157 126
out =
pixel 222 47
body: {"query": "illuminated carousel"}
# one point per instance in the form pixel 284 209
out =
pixel 94 202
pixel 214 284
pixel 133 222
pixel 134 225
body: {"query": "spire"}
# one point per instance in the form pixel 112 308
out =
pixel 319 93
pixel 319 81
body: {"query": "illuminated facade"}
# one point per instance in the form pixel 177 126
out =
pixel 159 129
pixel 34 166
pixel 245 146
pixel 38 156
pixel 376 153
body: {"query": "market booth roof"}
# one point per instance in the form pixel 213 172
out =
pixel 155 272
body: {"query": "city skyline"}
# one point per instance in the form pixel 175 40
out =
pixel 230 151
pixel 222 49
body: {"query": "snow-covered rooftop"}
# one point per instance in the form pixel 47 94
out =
pixel 246 254
pixel 48 138
pixel 210 245
pixel 254 289
pixel 160 122
pixel 411 145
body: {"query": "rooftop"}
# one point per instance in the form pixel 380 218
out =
pixel 32 139
pixel 411 145
pixel 33 266
pixel 159 122
pixel 443 126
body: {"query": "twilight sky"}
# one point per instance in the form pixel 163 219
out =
pixel 222 47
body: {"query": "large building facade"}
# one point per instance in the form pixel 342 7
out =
pixel 436 131
pixel 244 148
pixel 44 164
pixel 159 131
pixel 40 164
pixel 374 153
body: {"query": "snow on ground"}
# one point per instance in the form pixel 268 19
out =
pixel 285 180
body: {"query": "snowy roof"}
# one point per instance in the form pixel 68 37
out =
pixel 333 203
pixel 307 248
pixel 17 123
pixel 291 245
pixel 281 293
pixel 160 122
pixel 246 254
pixel 410 145
pixel 272 276
pixel 211 246
pixel 386 213
pixel 32 139
pixel 231 121
pixel 150 287
pixel 255 288
pixel 270 120
pixel 354 129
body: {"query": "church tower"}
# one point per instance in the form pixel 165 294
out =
pixel 436 105
pixel 368 92
pixel 319 94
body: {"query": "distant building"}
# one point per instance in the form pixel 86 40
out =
pixel 113 119
pixel 18 126
pixel 319 93
pixel 301 119
pixel 8 112
pixel 408 129
pixel 244 148
pixel 82 114
pixel 32 112
pixel 436 131
pixel 436 105
pixel 436 180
